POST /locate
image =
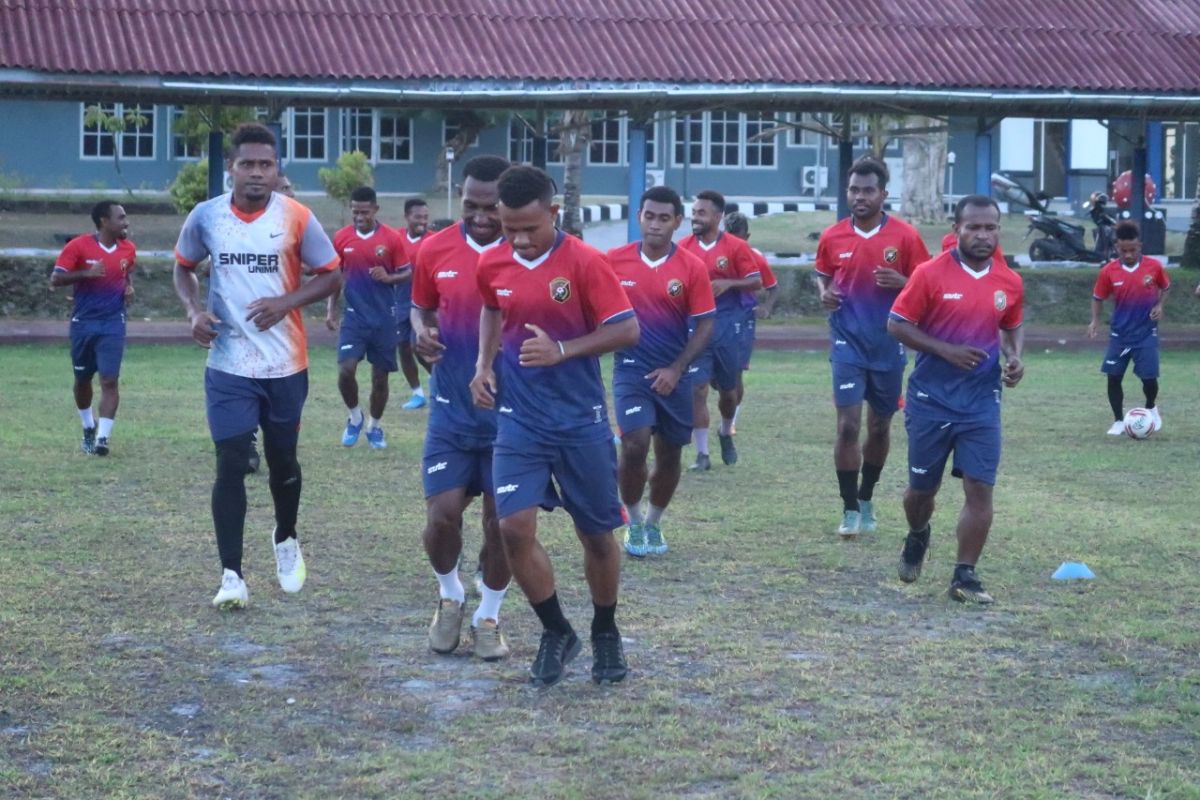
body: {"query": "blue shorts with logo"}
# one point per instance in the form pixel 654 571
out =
pixel 975 444
pixel 376 342
pixel 880 388
pixel 1144 356
pixel 525 471
pixel 721 361
pixel 639 406
pixel 456 461
pixel 748 333
pixel 237 405
pixel 97 346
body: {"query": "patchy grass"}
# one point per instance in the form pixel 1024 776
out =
pixel 769 658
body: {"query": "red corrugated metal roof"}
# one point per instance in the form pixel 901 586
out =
pixel 1100 45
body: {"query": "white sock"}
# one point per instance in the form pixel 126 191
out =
pixel 654 514
pixel 105 429
pixel 372 423
pixel 450 586
pixel 700 437
pixel 737 411
pixel 356 416
pixel 635 513
pixel 85 416
pixel 489 606
pixel 418 392
pixel 726 426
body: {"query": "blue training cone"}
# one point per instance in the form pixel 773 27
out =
pixel 1073 570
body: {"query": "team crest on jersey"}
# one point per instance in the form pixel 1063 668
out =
pixel 1001 300
pixel 124 266
pixel 1146 281
pixel 722 263
pixel 891 255
pixel 560 290
pixel 674 287
pixel 381 251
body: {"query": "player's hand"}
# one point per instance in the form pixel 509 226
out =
pixel 267 311
pixel 762 312
pixel 428 346
pixel 1091 330
pixel 540 350
pixel 831 298
pixel 378 273
pixel 664 380
pixel 331 322
pixel 129 293
pixel 95 268
pixel 886 278
pixel 720 286
pixel 963 356
pixel 1156 313
pixel 1013 371
pixel 483 388
pixel 203 331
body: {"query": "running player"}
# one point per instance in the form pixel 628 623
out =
pixel 732 270
pixel 556 305
pixel 258 358
pixel 374 262
pixel 670 292
pixel 457 461
pixel 99 268
pixel 416 224
pixel 962 313
pixel 862 263
pixel 738 224
pixel 1138 285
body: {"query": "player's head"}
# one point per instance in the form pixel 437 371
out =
pixel 1129 242
pixel 707 209
pixel 977 223
pixel 867 188
pixel 110 219
pixel 364 205
pixel 481 197
pixel 253 163
pixel 528 213
pixel 283 185
pixel 416 216
pixel 737 224
pixel 660 215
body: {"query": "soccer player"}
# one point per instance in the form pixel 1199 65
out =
pixel 257 370
pixel 670 292
pixel 457 461
pixel 99 268
pixel 551 306
pixel 731 270
pixel 416 223
pixel 862 263
pixel 374 262
pixel 738 224
pixel 1138 285
pixel 962 313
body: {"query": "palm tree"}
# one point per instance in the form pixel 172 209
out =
pixel 575 134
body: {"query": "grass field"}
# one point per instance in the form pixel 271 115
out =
pixel 769 659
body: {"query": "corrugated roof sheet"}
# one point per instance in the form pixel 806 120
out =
pixel 1100 45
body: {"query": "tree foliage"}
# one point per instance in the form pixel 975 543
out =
pixel 96 116
pixel 352 171
pixel 195 123
pixel 190 186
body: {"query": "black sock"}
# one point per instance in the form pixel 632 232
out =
pixel 962 571
pixel 848 488
pixel 229 500
pixel 551 615
pixel 285 482
pixel 1150 387
pixel 1116 397
pixel 870 477
pixel 923 533
pixel 604 619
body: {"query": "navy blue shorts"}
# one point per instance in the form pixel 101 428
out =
pixel 377 343
pixel 238 405
pixel 976 448
pixel 97 347
pixel 455 461
pixel 638 406
pixel 748 334
pixel 880 388
pixel 526 470
pixel 1145 360
pixel 722 359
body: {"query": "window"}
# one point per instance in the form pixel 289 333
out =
pixel 722 139
pixel 1181 145
pixel 307 131
pixel 357 129
pixel 759 152
pixel 383 135
pixel 799 137
pixel 723 136
pixel 651 141
pixel 135 142
pixel 520 140
pixel 183 148
pixel 264 116
pixel 395 136
pixel 1050 157
pixel 858 125
pixel 605 147
pixel 689 134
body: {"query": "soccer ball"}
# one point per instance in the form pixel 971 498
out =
pixel 1139 423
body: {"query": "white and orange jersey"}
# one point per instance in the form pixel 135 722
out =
pixel 255 255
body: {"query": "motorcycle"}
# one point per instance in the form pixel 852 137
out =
pixel 1060 240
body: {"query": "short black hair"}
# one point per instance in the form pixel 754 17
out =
pixel 440 224
pixel 364 194
pixel 413 202
pixel 737 223
pixel 869 165
pixel 977 200
pixel 485 168
pixel 662 194
pixel 252 133
pixel 102 211
pixel 714 197
pixel 1128 231
pixel 522 185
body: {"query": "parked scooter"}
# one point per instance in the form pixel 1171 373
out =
pixel 1060 240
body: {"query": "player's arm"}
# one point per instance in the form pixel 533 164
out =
pixel 1094 324
pixel 1012 346
pixel 66 271
pixel 129 292
pixel 831 297
pixel 331 304
pixel 960 355
pixel 187 287
pixel 767 307
pixel 401 275
pixel 425 330
pixel 268 311
pixel 483 385
pixel 540 350
pixel 1156 312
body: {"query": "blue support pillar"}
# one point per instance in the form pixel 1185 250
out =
pixel 637 175
pixel 216 163
pixel 983 163
pixel 1137 195
pixel 1154 152
pixel 845 160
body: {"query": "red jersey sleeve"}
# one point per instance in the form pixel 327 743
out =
pixel 744 262
pixel 701 302
pixel 1103 287
pixel 1014 314
pixel 603 296
pixel 824 264
pixel 768 277
pixel 424 287
pixel 401 256
pixel 69 259
pixel 913 300
pixel 1160 276
pixel 917 254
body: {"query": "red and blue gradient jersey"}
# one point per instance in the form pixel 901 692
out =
pixel 569 292
pixel 444 280
pixel 951 302
pixel 98 298
pixel 666 295
pixel 769 281
pixel 369 302
pixel 849 257
pixel 1135 290
pixel 730 258
pixel 404 290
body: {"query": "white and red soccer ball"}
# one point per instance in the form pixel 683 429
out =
pixel 1139 423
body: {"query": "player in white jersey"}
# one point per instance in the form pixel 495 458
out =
pixel 257 372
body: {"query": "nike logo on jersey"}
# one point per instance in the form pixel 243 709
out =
pixel 633 410
pixel 277 235
pixel 507 488
pixel 952 296
pixel 446 273
pixel 438 467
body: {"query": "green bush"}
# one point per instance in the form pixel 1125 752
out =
pixel 352 171
pixel 190 186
